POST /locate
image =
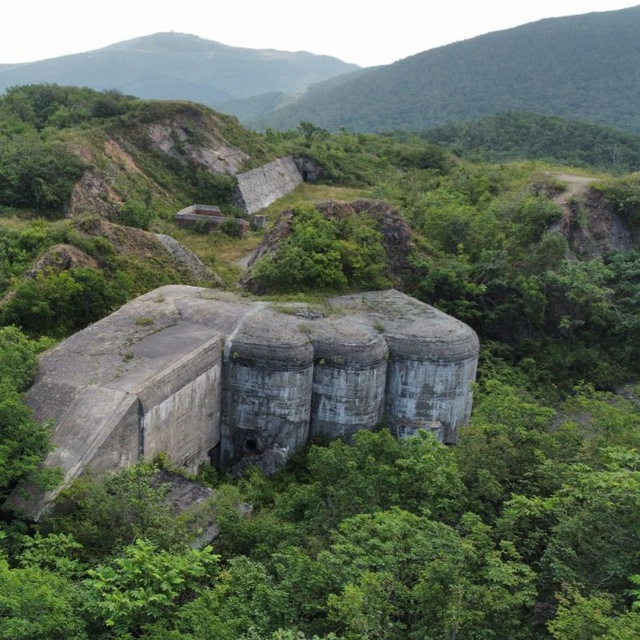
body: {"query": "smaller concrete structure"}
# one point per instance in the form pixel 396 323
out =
pixel 204 215
pixel 207 217
pixel 200 212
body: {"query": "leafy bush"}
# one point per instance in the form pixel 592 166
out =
pixel 231 228
pixel 323 254
pixel 17 359
pixel 56 304
pixel 213 188
pixel 145 584
pixel 109 513
pixel 56 106
pixel 136 214
pixel 623 196
pixel 37 175
pixel 36 604
pixel 23 441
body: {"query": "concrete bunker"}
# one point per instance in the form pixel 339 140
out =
pixel 207 218
pixel 194 373
pixel 268 374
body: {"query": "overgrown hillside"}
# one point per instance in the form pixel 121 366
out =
pixel 527 529
pixel 89 185
pixel 520 136
pixel 178 150
pixel 579 67
pixel 493 244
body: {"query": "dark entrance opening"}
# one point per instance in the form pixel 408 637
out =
pixel 214 456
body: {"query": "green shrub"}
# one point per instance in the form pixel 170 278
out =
pixel 323 254
pixel 17 359
pixel 623 196
pixel 231 228
pixel 57 304
pixel 212 188
pixel 37 175
pixel 136 214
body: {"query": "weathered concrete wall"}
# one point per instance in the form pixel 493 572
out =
pixel 348 381
pixel 180 408
pixel 432 360
pixel 428 394
pixel 260 187
pixel 192 372
pixel 267 388
pixel 428 376
pixel 128 388
pixel 98 430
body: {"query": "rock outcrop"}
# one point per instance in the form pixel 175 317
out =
pixel 592 229
pixel 590 226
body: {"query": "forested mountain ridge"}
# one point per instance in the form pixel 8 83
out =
pixel 517 136
pixel 176 66
pixel 579 67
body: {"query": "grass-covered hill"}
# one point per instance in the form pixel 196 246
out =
pixel 177 66
pixel 580 67
pixel 527 529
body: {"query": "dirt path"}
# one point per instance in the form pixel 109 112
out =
pixel 576 186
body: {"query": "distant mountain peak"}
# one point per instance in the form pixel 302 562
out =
pixel 180 66
pixel 169 42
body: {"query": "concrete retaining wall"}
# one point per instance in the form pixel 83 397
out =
pixel 260 187
pixel 180 408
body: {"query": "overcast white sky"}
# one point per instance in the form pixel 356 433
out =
pixel 366 32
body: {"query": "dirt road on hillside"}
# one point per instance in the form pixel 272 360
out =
pixel 576 186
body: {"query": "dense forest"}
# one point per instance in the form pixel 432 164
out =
pixel 516 136
pixel 576 67
pixel 526 529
